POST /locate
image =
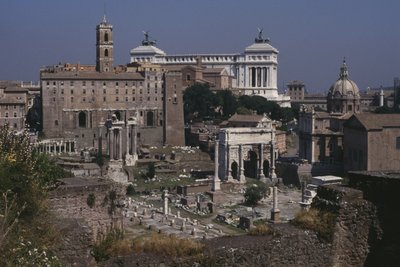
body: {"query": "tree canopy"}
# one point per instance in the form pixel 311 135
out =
pixel 201 103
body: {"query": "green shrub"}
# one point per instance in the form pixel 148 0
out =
pixel 151 171
pixel 260 230
pixel 91 200
pixel 106 246
pixel 254 193
pixel 322 222
pixel 130 190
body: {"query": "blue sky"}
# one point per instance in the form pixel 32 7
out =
pixel 312 36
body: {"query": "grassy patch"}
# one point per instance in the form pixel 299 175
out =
pixel 260 230
pixel 321 222
pixel 169 246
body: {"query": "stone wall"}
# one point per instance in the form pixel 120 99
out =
pixel 78 223
pixel 382 189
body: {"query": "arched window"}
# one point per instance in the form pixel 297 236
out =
pixel 82 119
pixel 234 170
pixel 106 52
pixel 106 37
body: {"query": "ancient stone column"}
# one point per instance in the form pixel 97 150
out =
pixel 261 175
pixel 216 181
pixel 128 141
pixel 242 178
pixel 111 143
pixel 120 143
pixel 228 167
pixel 275 212
pixel 272 174
pixel 134 143
pixel 165 209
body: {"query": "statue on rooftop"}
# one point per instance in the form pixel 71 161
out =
pixel 146 40
pixel 260 38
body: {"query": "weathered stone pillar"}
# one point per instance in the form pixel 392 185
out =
pixel 120 143
pixel 165 209
pixel 275 212
pixel 261 175
pixel 242 178
pixel 228 167
pixel 111 144
pixel 128 141
pixel 216 181
pixel 134 136
pixel 272 173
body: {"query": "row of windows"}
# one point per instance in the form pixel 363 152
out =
pixel 117 91
pixel 7 107
pixel 117 99
pixel 93 83
pixel 7 114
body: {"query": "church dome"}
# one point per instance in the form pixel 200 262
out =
pixel 344 86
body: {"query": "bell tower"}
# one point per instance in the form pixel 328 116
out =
pixel 104 47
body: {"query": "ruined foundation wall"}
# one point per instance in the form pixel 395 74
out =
pixel 78 223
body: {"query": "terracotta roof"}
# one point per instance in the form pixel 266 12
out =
pixel 245 118
pixel 372 121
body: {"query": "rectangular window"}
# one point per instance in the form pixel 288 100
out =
pixel 84 91
pixel 398 142
pixel 92 83
pixel 72 92
pixel 84 83
pixel 71 83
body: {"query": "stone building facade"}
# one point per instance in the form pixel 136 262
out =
pixel 321 133
pixel 15 100
pixel 372 142
pixel 253 72
pixel 78 100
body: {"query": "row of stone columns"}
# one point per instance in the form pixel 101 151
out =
pixel 115 143
pixel 56 147
pixel 258 77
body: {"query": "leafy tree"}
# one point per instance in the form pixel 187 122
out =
pixel 243 111
pixel 228 103
pixel 25 178
pixel 254 193
pixel 199 101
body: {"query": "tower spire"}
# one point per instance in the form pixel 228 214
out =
pixel 343 70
